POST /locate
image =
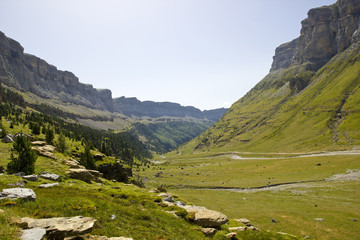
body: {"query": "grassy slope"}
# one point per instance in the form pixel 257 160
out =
pixel 273 117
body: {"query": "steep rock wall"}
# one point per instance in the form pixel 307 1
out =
pixel 326 32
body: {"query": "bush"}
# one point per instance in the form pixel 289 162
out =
pixel 61 143
pixel 25 161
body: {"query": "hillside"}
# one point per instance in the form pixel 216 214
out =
pixel 310 99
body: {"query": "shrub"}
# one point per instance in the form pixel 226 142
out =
pixel 87 159
pixel 25 161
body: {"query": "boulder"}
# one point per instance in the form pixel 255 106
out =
pixel 30 138
pixel 84 174
pixel 231 235
pixel 51 176
pixel 16 193
pixel 33 234
pixel 8 139
pixel 243 220
pixel 48 185
pixel 208 231
pixel 95 237
pixel 205 217
pixel 31 178
pixel 59 228
pixel 20 184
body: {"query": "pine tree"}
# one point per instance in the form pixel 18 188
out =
pixel 61 143
pixel 87 159
pixel 26 158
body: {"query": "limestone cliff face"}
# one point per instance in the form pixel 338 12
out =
pixel 326 32
pixel 32 74
pixel 134 107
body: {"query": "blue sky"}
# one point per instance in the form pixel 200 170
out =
pixel 202 53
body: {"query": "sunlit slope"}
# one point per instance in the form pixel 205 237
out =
pixel 293 110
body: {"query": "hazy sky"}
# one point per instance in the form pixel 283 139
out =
pixel 203 53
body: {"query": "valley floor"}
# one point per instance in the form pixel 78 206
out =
pixel 313 196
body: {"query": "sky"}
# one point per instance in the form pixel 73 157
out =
pixel 201 53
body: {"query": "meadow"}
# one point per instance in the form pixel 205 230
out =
pixel 289 193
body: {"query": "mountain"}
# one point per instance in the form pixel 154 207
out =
pixel 162 126
pixel 29 73
pixel 309 101
pixel 134 107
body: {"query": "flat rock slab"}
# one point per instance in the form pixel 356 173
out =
pixel 51 176
pixel 31 178
pixel 95 237
pixel 16 193
pixel 48 185
pixel 84 174
pixel 59 228
pixel 33 234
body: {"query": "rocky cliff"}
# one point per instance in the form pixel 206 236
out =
pixel 134 107
pixel 29 73
pixel 327 31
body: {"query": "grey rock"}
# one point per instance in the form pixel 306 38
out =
pixel 84 174
pixel 59 228
pixel 208 231
pixel 31 178
pixel 33 234
pixel 205 217
pixel 51 176
pixel 48 185
pixel 180 204
pixel 16 193
pixel 231 235
pixel 168 199
pixel 20 183
pixel 20 174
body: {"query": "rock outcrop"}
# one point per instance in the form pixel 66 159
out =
pixel 16 193
pixel 59 228
pixel 29 73
pixel 85 175
pixel 326 32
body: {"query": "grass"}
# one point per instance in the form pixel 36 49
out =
pixel 294 208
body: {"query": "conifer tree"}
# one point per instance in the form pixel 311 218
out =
pixel 26 158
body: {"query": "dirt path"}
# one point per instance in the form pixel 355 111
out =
pixel 338 153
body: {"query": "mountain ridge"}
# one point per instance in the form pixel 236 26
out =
pixel 29 73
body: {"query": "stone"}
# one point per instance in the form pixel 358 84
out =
pixel 51 176
pixel 168 199
pixel 19 174
pixel 46 151
pixel 8 139
pixel 179 204
pixel 38 143
pixel 84 174
pixel 231 235
pixel 59 228
pixel 95 237
pixel 208 218
pixel 30 138
pixel 237 229
pixel 208 231
pixel 243 220
pixel 33 234
pixel 20 184
pixel 319 219
pixel 16 193
pixel 48 185
pixel 31 178
pixel 165 195
pixel 253 228
pixel 72 163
